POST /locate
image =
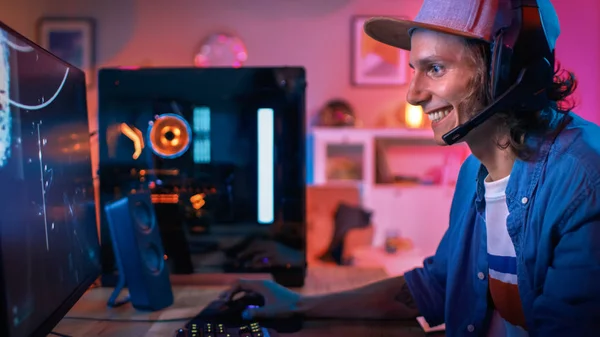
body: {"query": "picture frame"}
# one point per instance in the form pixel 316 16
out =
pixel 71 39
pixel 374 63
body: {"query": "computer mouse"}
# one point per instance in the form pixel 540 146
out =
pixel 231 312
pixel 247 300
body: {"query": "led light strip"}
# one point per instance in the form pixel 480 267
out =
pixel 5 118
pixel 266 145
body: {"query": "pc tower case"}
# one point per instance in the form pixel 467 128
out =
pixel 222 153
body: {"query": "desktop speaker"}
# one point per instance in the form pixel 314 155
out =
pixel 139 253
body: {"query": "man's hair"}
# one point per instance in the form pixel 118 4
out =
pixel 519 124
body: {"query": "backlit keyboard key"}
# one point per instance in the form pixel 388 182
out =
pixel 215 329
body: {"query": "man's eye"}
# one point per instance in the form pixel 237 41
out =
pixel 436 70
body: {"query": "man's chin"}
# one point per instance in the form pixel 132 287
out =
pixel 440 131
pixel 439 140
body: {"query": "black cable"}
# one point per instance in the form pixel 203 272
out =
pixel 125 320
pixel 113 303
pixel 58 334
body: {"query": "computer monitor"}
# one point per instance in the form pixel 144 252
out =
pixel 222 151
pixel 49 249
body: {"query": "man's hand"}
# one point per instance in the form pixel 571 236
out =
pixel 279 301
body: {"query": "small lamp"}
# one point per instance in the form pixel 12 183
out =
pixel 413 116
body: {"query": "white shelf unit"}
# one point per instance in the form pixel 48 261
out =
pixel 415 211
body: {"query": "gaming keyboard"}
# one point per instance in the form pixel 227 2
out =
pixel 224 319
pixel 200 328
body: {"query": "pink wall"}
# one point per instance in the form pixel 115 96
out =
pixel 578 50
pixel 312 33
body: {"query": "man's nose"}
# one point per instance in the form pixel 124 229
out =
pixel 417 94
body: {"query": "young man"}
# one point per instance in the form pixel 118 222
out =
pixel 521 256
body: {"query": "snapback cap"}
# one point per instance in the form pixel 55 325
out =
pixel 474 19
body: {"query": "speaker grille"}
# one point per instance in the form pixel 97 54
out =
pixel 153 259
pixel 143 216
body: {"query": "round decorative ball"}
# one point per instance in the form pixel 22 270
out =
pixel 221 50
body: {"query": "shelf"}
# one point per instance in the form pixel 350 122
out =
pixel 412 186
pixel 352 153
pixel 340 182
pixel 348 133
pixel 374 160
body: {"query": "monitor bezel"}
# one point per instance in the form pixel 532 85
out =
pixel 59 313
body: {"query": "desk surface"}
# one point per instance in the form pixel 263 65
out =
pixel 190 299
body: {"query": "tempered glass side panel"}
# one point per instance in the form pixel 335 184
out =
pixel 221 151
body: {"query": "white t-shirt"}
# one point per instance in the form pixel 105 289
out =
pixel 508 319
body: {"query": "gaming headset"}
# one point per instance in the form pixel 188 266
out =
pixel 521 69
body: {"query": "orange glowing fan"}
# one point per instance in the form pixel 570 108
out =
pixel 169 136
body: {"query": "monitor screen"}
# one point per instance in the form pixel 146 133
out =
pixel 222 152
pixel 49 250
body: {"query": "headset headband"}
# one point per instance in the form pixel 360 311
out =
pixel 518 46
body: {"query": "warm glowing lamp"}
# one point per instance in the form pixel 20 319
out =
pixel 413 116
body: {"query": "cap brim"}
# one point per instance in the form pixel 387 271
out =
pixel 396 32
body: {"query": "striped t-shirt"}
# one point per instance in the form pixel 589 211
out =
pixel 508 319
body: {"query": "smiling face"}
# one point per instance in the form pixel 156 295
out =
pixel 443 82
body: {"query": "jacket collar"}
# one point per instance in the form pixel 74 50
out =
pixel 525 175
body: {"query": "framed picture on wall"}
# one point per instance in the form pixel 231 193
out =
pixel 71 39
pixel 375 63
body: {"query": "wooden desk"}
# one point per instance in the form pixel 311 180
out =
pixel 190 299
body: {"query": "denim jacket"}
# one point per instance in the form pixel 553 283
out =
pixel 554 224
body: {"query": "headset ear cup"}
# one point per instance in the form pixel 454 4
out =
pixel 500 64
